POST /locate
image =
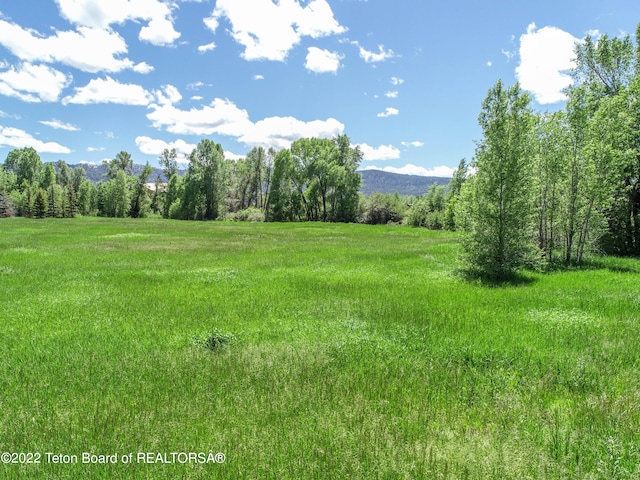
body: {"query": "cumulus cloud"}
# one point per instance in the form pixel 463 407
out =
pixel 389 111
pixel 33 83
pixel 143 67
pixel 223 117
pixel 383 152
pixel 392 94
pixel 151 146
pixel 322 61
pixel 281 132
pixel 99 14
pixel 410 169
pixel 169 95
pixel 58 125
pixel 108 90
pixel 16 138
pixel 88 49
pixel 207 48
pixel 396 81
pixel 258 77
pixel 373 57
pixel 272 39
pixel 546 56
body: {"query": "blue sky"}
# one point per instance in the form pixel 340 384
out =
pixel 81 80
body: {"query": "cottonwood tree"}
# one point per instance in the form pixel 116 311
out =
pixel 608 72
pixel 205 182
pixel 140 200
pixel 497 206
pixel 26 164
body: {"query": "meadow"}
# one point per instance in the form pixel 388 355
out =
pixel 306 351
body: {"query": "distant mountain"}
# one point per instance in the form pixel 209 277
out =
pixel 95 173
pixel 386 182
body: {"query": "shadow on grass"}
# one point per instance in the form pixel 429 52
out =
pixel 611 263
pixel 495 280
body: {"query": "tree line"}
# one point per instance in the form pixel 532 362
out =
pixel 551 187
pixel 313 180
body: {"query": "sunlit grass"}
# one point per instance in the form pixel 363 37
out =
pixel 350 351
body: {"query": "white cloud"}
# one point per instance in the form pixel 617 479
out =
pixel 207 48
pixel 258 77
pixel 58 125
pixel 150 146
pixel 223 117
pixel 546 55
pixel 95 149
pixel 508 53
pixel 416 144
pixel 410 169
pixel 268 30
pixel 233 156
pixel 489 63
pixel 373 57
pixel 195 85
pixel 169 95
pixel 322 61
pixel 143 67
pixel 393 94
pixel 280 132
pixel 108 90
pixel 197 98
pixel 100 14
pixel 33 83
pixel 88 49
pixel 383 152
pixel 389 111
pixel 16 138
pixel 396 81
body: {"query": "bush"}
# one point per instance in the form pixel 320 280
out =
pixel 251 214
pixel 175 210
pixel 381 209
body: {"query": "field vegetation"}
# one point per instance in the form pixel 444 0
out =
pixel 309 350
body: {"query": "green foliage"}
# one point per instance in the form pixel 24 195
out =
pixel 175 210
pixel 140 201
pixel 280 205
pixel 497 205
pixel 41 206
pixel 205 182
pixel 121 163
pixel 26 164
pixel 251 214
pixel 86 197
pixel 428 210
pixel 214 341
pixel 116 196
pixel 173 192
pixel 381 209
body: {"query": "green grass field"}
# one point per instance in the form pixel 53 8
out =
pixel 354 352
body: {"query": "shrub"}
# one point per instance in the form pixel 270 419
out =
pixel 251 214
pixel 382 208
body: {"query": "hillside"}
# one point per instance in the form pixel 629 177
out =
pixel 386 182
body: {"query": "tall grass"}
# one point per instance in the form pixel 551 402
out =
pixel 308 351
